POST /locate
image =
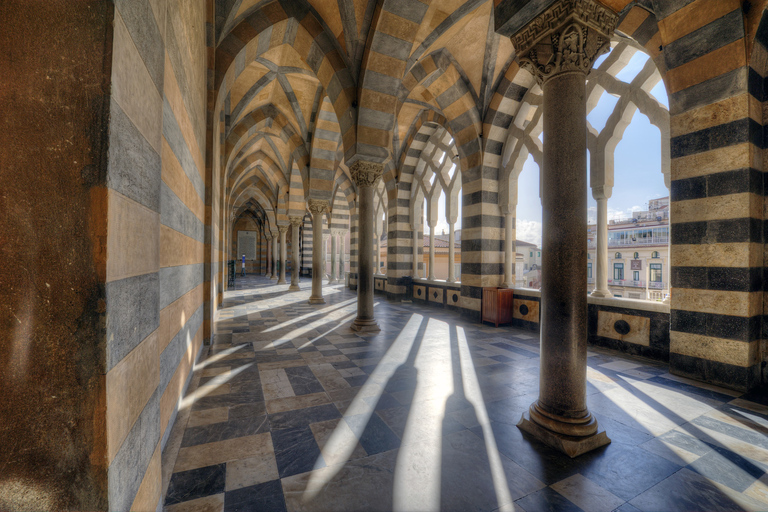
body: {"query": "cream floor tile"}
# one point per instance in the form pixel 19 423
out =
pixel 199 456
pixel 208 416
pixel 292 403
pixel 587 494
pixel 214 503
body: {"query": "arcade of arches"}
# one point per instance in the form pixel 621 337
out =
pixel 149 143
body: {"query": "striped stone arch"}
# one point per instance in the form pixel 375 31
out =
pixel 326 141
pixel 266 120
pixel 257 164
pixel 291 23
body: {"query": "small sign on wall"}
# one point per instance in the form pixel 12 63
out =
pixel 637 264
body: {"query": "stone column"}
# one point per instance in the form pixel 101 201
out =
pixel 283 253
pixel 431 276
pixel 317 207
pixel 334 279
pixel 559 47
pixel 342 234
pixel 416 252
pixel 325 257
pixel 509 250
pixel 295 265
pixel 601 195
pixel 268 271
pixel 275 256
pixel 451 253
pixel 365 175
pixel 377 245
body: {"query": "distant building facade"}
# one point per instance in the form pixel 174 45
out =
pixel 638 253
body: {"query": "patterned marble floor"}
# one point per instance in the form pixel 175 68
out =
pixel 291 410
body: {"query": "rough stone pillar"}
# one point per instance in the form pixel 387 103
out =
pixel 318 208
pixel 559 47
pixel 451 253
pixel 601 195
pixel 365 175
pixel 295 223
pixel 283 254
pixel 275 256
pixel 268 271
pixel 509 250
pixel 333 279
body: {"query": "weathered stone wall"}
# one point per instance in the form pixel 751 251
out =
pixel 54 99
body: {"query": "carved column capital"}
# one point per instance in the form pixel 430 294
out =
pixel 282 229
pixel 267 235
pixel 317 206
pixel 566 38
pixel 366 174
pixel 296 221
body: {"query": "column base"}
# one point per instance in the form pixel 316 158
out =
pixel 294 288
pixel 571 445
pixel 601 293
pixel 365 325
pixel 273 277
pixel 502 285
pixel 281 281
pixel 316 300
pixel 333 281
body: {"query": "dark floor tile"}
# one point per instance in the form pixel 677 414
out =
pixel 502 359
pixel 222 431
pixel 689 491
pixel 726 467
pixel 296 451
pixel 547 500
pixel 303 381
pixel 343 364
pixel 266 496
pixel 196 483
pixel 357 380
pixel 758 395
pixel 247 411
pixel 374 435
pixel 627 471
pixel 303 417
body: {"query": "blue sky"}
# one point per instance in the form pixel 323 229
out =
pixel 637 169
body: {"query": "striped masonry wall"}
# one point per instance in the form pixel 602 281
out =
pixel 156 236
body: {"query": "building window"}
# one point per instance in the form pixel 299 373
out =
pixel 617 256
pixel 655 269
pixel 655 254
pixel 637 256
pixel 538 254
pixel 618 271
pixel 635 275
pixel 589 271
pixel 589 256
pixel 531 254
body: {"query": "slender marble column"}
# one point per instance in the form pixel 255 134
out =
pixel 275 254
pixel 342 275
pixel 268 271
pixel 283 254
pixel 295 223
pixel 416 252
pixel 567 36
pixel 451 253
pixel 377 245
pixel 334 279
pixel 431 253
pixel 509 250
pixel 601 255
pixel 325 257
pixel 365 175
pixel 317 207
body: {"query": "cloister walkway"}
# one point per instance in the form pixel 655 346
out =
pixel 290 409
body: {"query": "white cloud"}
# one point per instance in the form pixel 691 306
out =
pixel 529 231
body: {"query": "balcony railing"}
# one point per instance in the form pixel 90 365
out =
pixel 637 284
